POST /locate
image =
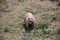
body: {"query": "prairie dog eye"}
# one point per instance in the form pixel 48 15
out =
pixel 30 19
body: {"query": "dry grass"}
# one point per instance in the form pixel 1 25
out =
pixel 13 16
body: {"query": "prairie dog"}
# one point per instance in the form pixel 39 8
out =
pixel 29 20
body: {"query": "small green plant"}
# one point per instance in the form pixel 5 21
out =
pixel 21 17
pixel 43 25
pixel 44 31
pixel 58 31
pixel 54 18
pixel 59 4
pixel 6 29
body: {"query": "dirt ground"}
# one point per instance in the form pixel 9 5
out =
pixel 13 16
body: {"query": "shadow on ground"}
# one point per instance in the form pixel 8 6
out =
pixel 27 30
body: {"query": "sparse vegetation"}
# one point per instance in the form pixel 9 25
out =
pixel 6 29
pixel 58 3
pixel 58 30
pixel 3 5
pixel 21 17
pixel 54 9
pixel 53 17
pixel 44 31
pixel 33 34
pixel 43 25
pixel 46 16
pixel 38 6
pixel 33 11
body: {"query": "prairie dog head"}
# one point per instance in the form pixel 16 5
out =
pixel 29 17
pixel 30 21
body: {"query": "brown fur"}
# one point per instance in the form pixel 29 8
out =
pixel 27 16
